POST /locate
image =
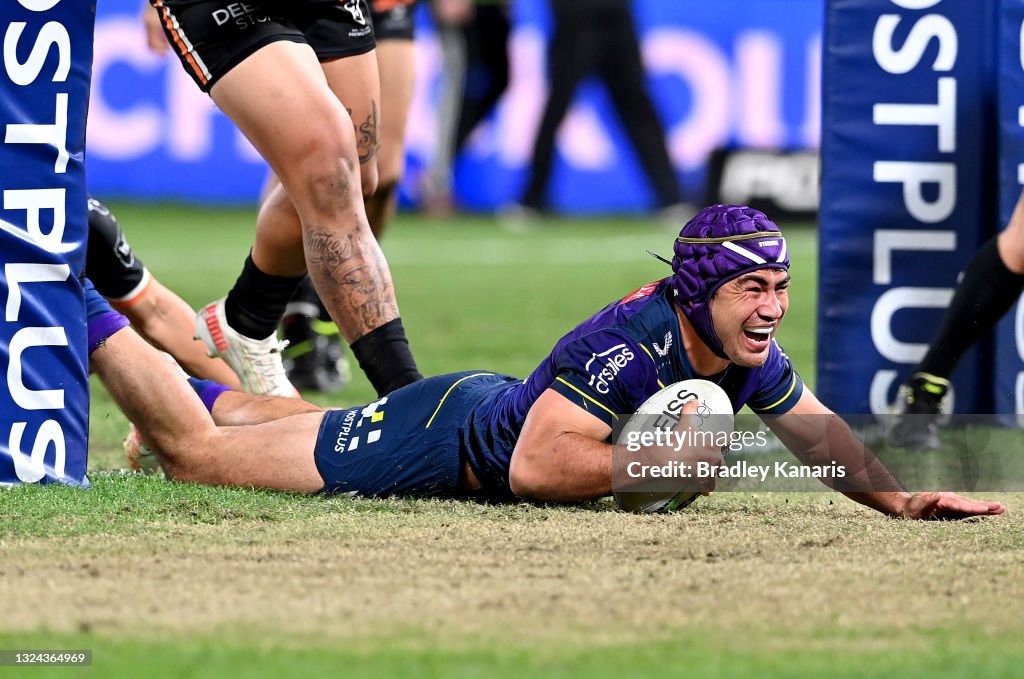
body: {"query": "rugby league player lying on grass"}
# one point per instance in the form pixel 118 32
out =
pixel 489 435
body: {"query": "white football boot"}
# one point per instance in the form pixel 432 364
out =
pixel 256 362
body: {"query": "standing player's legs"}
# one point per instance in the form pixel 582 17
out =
pixel 572 55
pixel 623 73
pixel 264 72
pixel 314 358
pixel 316 220
pixel 991 284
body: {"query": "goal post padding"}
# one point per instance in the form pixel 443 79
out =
pixel 44 96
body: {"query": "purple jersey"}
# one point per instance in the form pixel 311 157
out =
pixel 609 365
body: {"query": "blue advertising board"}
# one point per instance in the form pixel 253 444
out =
pixel 44 94
pixel 908 189
pixel 1008 379
pixel 745 74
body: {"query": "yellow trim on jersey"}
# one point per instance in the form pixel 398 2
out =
pixel 647 351
pixel 597 403
pixel 791 388
pixel 441 402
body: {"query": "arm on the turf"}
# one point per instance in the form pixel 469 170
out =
pixel 561 454
pixel 167 321
pixel 173 421
pixel 816 436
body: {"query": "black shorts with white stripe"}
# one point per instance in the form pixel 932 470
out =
pixel 211 37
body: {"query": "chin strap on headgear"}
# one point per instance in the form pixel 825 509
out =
pixel 720 243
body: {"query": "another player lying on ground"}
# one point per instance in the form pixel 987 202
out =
pixel 496 436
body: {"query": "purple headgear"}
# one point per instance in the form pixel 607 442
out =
pixel 720 243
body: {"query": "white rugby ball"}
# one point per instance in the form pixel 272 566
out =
pixel 662 410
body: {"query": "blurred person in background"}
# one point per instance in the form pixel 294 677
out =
pixel 474 46
pixel 599 37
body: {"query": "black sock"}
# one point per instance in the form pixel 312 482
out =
pixel 985 294
pixel 384 356
pixel 256 303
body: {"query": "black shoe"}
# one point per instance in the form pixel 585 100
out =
pixel 313 360
pixel 336 362
pixel 915 419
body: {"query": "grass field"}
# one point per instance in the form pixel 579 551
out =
pixel 162 579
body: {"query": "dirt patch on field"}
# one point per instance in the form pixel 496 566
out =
pixel 461 570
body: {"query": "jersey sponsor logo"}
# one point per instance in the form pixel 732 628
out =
pixel 124 251
pixel 351 433
pixel 242 14
pixel 356 10
pixel 612 362
pixel 640 292
pixel 98 207
pixel 663 350
pixel 345 432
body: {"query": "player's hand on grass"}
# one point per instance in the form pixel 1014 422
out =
pixel 947 507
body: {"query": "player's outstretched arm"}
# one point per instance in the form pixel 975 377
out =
pixel 167 321
pixel 175 424
pixel 817 436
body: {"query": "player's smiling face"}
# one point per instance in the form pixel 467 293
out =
pixel 747 311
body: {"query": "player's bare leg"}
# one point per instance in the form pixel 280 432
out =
pixel 174 423
pixel 306 136
pixel 1011 240
pixel 396 62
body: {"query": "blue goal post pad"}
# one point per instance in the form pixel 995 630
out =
pixel 908 189
pixel 1008 381
pixel 44 97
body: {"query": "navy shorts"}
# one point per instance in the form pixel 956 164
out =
pixel 407 443
pixel 211 37
pixel 397 23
